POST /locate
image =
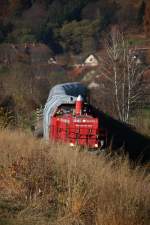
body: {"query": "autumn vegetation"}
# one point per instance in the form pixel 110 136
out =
pixel 31 32
pixel 44 183
pixel 66 26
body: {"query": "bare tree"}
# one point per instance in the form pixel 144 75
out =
pixel 122 75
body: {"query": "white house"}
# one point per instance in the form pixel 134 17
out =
pixel 93 84
pixel 91 60
pixel 52 60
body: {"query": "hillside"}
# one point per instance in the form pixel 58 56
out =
pixel 43 43
pixel 68 26
pixel 45 184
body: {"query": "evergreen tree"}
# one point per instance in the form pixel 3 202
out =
pixel 79 37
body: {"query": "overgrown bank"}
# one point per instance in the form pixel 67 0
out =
pixel 43 183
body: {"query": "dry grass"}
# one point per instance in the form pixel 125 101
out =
pixel 48 184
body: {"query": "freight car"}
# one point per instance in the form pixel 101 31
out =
pixel 67 117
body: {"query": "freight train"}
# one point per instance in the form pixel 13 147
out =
pixel 67 117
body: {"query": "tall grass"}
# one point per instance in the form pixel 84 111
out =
pixel 45 183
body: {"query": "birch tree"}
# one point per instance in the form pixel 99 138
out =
pixel 122 76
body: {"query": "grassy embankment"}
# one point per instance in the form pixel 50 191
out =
pixel 53 184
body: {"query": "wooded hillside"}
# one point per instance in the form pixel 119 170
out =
pixel 65 25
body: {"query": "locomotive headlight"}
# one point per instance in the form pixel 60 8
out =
pixel 72 145
pixel 96 145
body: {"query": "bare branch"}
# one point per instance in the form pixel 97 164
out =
pixel 123 75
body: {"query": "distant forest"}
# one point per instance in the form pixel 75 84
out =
pixel 69 25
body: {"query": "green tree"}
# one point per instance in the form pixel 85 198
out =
pixel 79 36
pixel 64 10
pixel 21 36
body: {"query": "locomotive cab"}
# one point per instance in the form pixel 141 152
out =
pixel 68 117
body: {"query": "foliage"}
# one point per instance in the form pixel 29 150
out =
pixel 109 12
pixel 61 11
pixel 79 36
pixel 55 18
pixel 66 27
pixel 23 35
pixel 136 41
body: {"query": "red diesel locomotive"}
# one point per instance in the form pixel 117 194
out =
pixel 69 119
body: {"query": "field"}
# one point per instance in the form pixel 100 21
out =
pixel 46 184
